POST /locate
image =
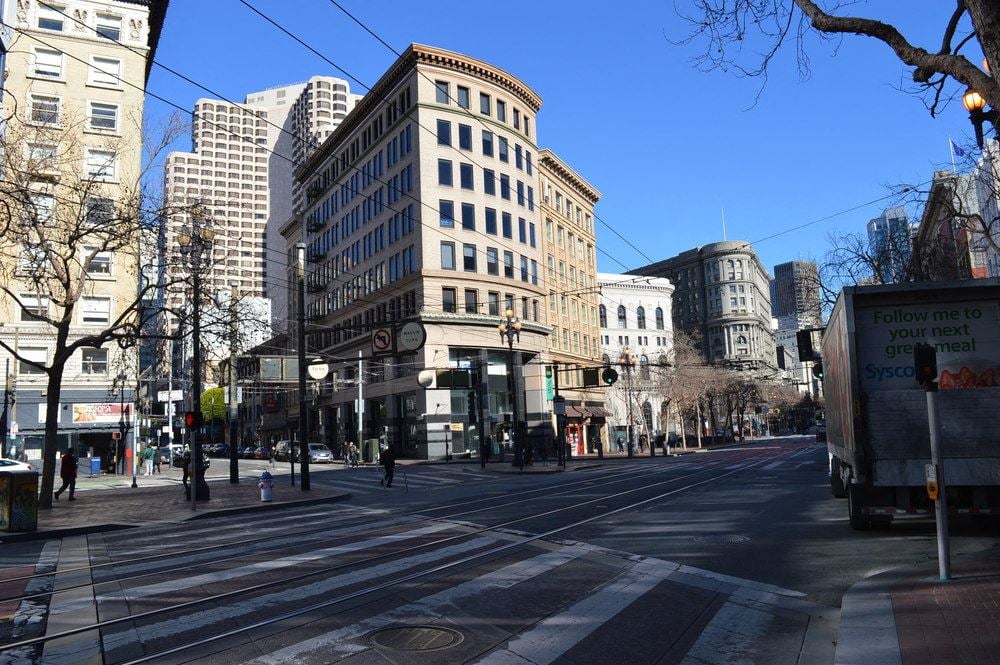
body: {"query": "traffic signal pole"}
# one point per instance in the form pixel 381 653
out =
pixel 303 406
pixel 925 370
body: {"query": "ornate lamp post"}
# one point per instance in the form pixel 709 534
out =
pixel 628 360
pixel 194 244
pixel 509 330
pixel 123 424
pixel 976 106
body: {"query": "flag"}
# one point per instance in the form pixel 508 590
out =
pixel 956 149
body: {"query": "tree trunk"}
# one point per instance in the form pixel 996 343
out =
pixel 50 447
pixel 985 15
pixel 697 424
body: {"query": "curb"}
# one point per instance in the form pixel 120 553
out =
pixel 63 532
pixel 867 634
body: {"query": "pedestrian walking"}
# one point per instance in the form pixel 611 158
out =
pixel 186 475
pixel 157 460
pixel 147 458
pixel 67 471
pixel 270 455
pixel 353 454
pixel 621 444
pixel 388 461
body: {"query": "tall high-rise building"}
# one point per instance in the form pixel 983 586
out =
pixel 421 207
pixel 795 292
pixel 889 241
pixel 240 174
pixel 722 299
pixel 73 91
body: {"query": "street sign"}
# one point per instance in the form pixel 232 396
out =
pixel 165 429
pixel 457 427
pixel 382 340
pixel 169 395
pixel 559 405
pixel 412 336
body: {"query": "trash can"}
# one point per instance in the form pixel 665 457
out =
pixel 18 501
pixel 95 466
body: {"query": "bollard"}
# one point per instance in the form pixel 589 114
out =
pixel 266 485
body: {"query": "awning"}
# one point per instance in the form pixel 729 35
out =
pixel 577 412
pixel 599 412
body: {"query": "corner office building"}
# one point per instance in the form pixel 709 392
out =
pixel 421 206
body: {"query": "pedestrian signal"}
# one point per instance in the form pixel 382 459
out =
pixel 924 363
pixel 192 420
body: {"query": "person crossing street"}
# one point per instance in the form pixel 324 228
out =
pixel 67 471
pixel 388 461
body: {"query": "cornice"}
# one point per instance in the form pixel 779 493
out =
pixel 438 57
pixel 548 159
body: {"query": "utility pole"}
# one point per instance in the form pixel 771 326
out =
pixel 4 419
pixel 361 404
pixel 560 417
pixel 925 370
pixel 300 250
pixel 234 464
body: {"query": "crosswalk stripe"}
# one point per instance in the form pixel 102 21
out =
pixel 273 601
pixel 337 641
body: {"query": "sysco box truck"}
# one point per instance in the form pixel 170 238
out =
pixel 876 413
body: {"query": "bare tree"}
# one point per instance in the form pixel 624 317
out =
pixel 744 36
pixel 62 226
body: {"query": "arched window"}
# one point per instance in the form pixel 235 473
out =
pixel 644 368
pixel 659 318
pixel 604 316
pixel 640 318
pixel 647 416
pixel 622 323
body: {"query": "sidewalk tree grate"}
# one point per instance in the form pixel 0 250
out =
pixel 720 539
pixel 415 638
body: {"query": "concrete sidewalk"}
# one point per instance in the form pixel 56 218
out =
pixel 907 616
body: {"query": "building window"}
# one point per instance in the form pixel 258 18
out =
pixel 109 27
pixel 34 307
pixel 494 300
pixel 44 109
pixel 505 220
pixel 94 361
pixel 469 258
pixel 441 92
pixel 491 221
pixel 522 230
pixel 48 63
pixel 100 210
pixel 492 261
pixel 484 103
pixel 447 210
pixel 468 216
pixel 505 187
pixel 640 317
pixel 487 143
pixel 448 301
pixel 445 173
pixel 531 234
pixel 659 318
pixel 98 263
pixel 489 182
pixel 604 315
pixel 50 18
pixel 524 269
pixel 444 132
pixel 465 137
pixel 447 255
pixel 501 111
pixel 503 153
pixel 96 310
pixel 105 71
pixel 463 97
pixel 101 165
pixel 37 355
pixel 465 176
pixel 103 116
pixel 508 265
pixel 622 321
pixel 471 301
pixel 41 211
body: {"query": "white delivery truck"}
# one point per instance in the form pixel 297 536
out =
pixel 876 414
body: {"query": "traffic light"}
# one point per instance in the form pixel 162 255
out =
pixel 192 420
pixel 803 339
pixel 924 363
pixel 781 357
pixel 818 369
pixel 609 376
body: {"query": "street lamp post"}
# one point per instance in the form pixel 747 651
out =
pixel 123 423
pixel 195 243
pixel 509 330
pixel 978 113
pixel 300 252
pixel 627 360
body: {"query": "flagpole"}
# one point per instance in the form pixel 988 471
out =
pixel 723 223
pixel 951 150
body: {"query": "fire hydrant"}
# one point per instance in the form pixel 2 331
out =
pixel 266 484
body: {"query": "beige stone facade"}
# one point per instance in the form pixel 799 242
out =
pixel 75 80
pixel 569 246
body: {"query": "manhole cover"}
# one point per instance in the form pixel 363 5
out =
pixel 415 638
pixel 721 539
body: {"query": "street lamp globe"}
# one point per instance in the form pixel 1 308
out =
pixel 184 239
pixel 973 101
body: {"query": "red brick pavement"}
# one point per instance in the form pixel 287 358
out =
pixel 955 622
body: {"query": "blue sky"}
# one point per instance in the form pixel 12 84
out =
pixel 668 146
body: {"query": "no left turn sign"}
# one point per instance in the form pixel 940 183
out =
pixel 382 340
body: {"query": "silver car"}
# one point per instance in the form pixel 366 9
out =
pixel 319 453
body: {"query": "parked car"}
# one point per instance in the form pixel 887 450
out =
pixel 319 453
pixel 260 453
pixel 14 465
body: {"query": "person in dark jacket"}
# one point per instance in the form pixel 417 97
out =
pixel 186 466
pixel 388 460
pixel 67 471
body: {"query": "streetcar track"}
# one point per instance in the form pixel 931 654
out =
pixel 328 569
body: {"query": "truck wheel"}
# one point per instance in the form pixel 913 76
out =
pixel 836 480
pixel 859 521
